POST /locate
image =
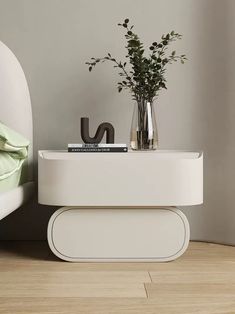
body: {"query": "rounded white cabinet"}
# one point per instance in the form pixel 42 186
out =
pixel 119 206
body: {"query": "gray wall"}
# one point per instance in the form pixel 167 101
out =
pixel 53 39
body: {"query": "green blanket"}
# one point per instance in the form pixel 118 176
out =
pixel 13 153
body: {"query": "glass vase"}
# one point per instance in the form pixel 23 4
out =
pixel 144 128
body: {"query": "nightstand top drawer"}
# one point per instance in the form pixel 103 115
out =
pixel 157 178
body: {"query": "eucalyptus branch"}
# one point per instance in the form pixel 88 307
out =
pixel 147 74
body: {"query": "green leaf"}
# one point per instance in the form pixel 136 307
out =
pixel 162 84
pixel 90 68
pixel 133 43
pixel 126 21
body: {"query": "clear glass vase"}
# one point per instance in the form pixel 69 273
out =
pixel 144 128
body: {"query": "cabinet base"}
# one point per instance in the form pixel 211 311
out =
pixel 124 234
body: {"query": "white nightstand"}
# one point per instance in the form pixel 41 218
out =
pixel 119 206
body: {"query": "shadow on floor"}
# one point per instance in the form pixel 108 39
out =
pixel 29 250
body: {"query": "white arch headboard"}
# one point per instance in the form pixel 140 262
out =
pixel 15 104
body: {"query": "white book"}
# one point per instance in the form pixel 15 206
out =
pixel 96 145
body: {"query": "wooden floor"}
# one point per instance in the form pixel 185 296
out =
pixel 32 280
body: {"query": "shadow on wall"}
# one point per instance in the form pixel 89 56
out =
pixel 213 121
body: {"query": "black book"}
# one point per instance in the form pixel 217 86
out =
pixel 97 149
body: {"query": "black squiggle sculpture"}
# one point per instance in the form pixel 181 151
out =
pixel 103 127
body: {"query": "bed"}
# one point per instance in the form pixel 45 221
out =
pixel 16 113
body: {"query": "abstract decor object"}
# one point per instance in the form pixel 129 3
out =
pixel 102 128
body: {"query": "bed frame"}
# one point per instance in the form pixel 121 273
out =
pixel 15 112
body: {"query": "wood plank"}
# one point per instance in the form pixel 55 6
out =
pixel 205 276
pixel 68 290
pixel 109 306
pixel 192 293
pixel 57 266
pixel 75 277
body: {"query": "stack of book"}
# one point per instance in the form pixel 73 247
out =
pixel 97 148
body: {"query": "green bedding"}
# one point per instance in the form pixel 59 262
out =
pixel 13 156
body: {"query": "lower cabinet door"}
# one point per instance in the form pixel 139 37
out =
pixel 103 234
